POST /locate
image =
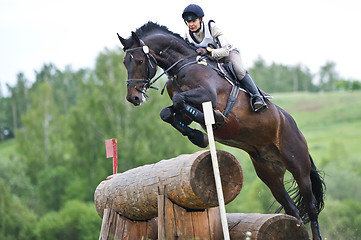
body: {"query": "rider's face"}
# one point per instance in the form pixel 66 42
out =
pixel 194 25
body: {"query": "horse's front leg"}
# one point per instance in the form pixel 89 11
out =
pixel 190 102
pixel 197 137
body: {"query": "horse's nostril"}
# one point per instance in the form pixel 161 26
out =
pixel 135 100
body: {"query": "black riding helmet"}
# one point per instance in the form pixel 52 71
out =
pixel 192 12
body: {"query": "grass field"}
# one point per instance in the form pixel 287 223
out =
pixel 331 122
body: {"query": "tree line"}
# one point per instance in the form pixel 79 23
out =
pixel 60 123
pixel 271 78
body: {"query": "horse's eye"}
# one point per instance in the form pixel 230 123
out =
pixel 139 62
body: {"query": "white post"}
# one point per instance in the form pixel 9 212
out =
pixel 209 120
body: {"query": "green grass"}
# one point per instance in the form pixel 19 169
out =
pixel 331 122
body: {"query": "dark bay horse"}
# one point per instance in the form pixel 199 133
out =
pixel 271 138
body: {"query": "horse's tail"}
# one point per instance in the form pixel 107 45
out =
pixel 318 186
pixel 318 190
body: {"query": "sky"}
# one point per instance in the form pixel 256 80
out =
pixel 74 32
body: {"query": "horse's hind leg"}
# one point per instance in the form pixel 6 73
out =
pixel 304 182
pixel 272 174
pixel 305 186
pixel 195 136
pixel 298 162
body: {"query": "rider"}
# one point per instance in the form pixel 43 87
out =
pixel 205 35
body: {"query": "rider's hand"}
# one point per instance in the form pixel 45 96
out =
pixel 202 51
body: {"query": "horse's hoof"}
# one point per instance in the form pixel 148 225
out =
pixel 178 102
pixel 199 138
pixel 167 115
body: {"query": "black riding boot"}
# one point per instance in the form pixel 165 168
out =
pixel 257 102
pixel 195 114
pixel 198 116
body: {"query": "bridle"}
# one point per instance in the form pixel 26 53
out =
pixel 148 82
pixel 148 68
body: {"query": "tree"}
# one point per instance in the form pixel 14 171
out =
pixel 328 77
pixel 17 221
pixel 76 221
pixel 348 85
pixel 281 78
pixel 34 139
pixel 302 79
pixel 19 100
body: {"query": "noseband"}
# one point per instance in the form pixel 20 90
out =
pixel 148 67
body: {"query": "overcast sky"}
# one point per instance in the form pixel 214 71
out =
pixel 74 32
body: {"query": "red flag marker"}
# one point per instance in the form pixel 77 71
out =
pixel 111 150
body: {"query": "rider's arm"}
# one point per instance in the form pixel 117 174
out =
pixel 223 44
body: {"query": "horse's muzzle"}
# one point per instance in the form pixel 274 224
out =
pixel 136 100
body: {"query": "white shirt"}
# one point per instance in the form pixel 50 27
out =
pixel 210 33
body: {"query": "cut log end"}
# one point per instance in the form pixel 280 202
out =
pixel 265 226
pixel 202 178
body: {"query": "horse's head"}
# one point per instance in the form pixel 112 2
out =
pixel 141 67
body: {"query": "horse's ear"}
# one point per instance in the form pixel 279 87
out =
pixel 122 40
pixel 136 38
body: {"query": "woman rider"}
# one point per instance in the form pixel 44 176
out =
pixel 201 35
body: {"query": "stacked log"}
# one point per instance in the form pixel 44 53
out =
pixel 175 222
pixel 117 227
pixel 189 182
pixel 178 223
pixel 181 192
pixel 265 227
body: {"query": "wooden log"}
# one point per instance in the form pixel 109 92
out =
pixel 265 227
pixel 175 222
pixel 117 227
pixel 188 178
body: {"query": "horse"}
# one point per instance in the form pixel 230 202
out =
pixel 271 138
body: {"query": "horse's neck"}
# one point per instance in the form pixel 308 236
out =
pixel 169 52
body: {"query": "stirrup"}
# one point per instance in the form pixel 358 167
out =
pixel 262 106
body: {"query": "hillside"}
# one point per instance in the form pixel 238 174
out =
pixel 331 123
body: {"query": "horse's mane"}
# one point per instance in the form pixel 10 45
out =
pixel 151 28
